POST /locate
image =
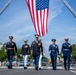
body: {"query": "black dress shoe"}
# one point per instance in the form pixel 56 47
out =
pixel 68 69
pixel 40 68
pixel 36 68
pixel 9 67
pixel 25 67
pixel 65 68
pixel 55 69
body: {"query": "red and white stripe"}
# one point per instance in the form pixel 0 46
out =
pixel 39 17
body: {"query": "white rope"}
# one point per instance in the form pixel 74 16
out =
pixel 6 5
pixel 69 7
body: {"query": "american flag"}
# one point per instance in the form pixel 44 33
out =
pixel 39 14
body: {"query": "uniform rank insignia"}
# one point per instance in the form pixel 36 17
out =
pixel 39 44
pixel 12 43
pixel 69 45
pixel 26 46
pixel 34 42
pixel 56 47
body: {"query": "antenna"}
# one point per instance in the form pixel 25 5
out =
pixel 69 7
pixel 7 4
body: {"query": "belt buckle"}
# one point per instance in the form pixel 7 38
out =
pixel 53 50
pixel 65 49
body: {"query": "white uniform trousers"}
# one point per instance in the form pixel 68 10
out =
pixel 25 60
pixel 40 61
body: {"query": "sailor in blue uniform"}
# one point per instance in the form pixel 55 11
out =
pixel 10 47
pixel 54 51
pixel 66 52
pixel 36 47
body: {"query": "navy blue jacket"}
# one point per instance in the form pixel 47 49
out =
pixel 36 47
pixel 13 47
pixel 66 49
pixel 25 49
pixel 54 50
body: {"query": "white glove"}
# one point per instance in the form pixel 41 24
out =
pixel 71 55
pixel 5 50
pixel 58 56
pixel 20 55
pixel 49 51
pixel 28 55
pixel 62 54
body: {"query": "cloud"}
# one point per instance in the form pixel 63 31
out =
pixel 55 8
pixel 17 25
pixel 19 37
pixel 20 34
pixel 16 19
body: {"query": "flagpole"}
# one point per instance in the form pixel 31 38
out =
pixel 7 4
pixel 69 7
